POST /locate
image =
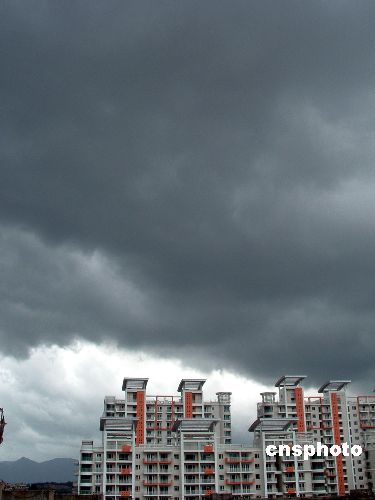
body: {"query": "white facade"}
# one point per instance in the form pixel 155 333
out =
pixel 179 447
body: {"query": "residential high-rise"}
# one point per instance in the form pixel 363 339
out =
pixel 179 446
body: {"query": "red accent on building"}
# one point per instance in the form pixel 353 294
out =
pixel 125 471
pixel 188 405
pixel 300 409
pixel 208 471
pixel 140 430
pixel 337 440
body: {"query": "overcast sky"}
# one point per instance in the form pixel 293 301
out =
pixel 186 188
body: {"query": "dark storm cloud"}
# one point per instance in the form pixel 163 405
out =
pixel 219 155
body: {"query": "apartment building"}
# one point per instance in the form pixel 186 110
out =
pixel 331 417
pixel 179 446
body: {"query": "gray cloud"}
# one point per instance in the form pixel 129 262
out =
pixel 191 178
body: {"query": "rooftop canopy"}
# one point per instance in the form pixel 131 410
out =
pixel 333 385
pixel 119 423
pixel 289 380
pixel 272 424
pixel 191 384
pixel 195 425
pixel 134 383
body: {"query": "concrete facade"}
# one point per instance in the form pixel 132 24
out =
pixel 179 447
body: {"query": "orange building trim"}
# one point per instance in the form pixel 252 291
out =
pixel 140 430
pixel 337 440
pixel 188 405
pixel 300 409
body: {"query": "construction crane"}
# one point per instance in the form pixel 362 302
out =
pixel 2 424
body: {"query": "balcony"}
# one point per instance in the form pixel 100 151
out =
pixel 208 471
pixel 150 483
pixel 126 471
pixel 156 483
pixel 207 480
pixel 233 482
pixel 330 474
pixel 208 448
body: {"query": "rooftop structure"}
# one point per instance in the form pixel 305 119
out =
pixel 289 380
pixel 179 446
pixel 333 385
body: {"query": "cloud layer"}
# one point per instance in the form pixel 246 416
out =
pixel 54 398
pixel 191 179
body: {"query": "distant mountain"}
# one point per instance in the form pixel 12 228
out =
pixel 24 470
